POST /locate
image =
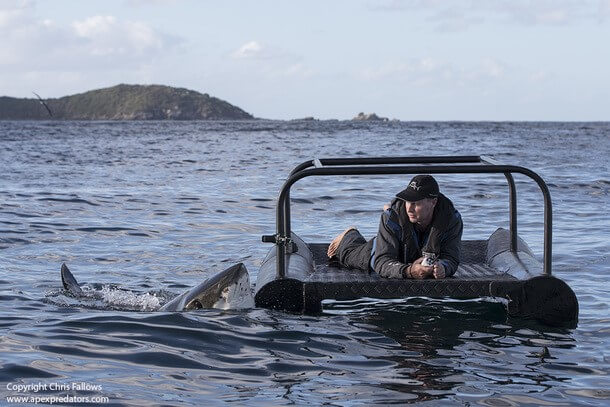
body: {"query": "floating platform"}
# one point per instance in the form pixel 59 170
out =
pixel 503 266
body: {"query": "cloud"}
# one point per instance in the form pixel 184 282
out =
pixel 273 62
pixel 492 68
pixel 23 37
pixel 604 10
pixel 297 71
pixel 414 71
pixel 254 50
pixel 93 43
pixel 250 50
pixel 425 72
pixel 546 12
pixel 106 36
pixel 458 15
pixel 539 76
pixel 13 12
pixel 145 3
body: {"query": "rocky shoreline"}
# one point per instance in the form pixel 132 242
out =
pixel 136 102
pixel 124 102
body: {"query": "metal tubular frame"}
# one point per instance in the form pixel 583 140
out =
pixel 416 165
pixel 512 190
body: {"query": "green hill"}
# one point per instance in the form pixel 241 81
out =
pixel 125 102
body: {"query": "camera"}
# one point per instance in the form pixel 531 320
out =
pixel 429 259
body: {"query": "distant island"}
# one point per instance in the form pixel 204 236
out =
pixel 370 117
pixel 124 102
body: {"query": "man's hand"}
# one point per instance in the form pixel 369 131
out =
pixel 439 270
pixel 419 272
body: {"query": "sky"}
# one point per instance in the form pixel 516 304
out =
pixel 546 60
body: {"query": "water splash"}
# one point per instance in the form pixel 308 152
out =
pixel 107 298
pixel 117 298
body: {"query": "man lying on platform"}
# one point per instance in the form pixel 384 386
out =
pixel 419 236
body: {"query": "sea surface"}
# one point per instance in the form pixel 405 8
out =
pixel 140 211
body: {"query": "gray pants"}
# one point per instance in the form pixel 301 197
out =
pixel 355 252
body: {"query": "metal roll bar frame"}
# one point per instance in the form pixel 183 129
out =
pixel 415 165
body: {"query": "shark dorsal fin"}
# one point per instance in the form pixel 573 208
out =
pixel 69 282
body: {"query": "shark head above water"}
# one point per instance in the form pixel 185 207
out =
pixel 228 289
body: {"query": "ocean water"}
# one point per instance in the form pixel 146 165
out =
pixel 143 210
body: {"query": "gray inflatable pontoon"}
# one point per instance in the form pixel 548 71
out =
pixel 297 277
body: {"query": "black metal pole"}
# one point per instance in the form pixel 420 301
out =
pixel 283 215
pixel 512 211
pixel 512 190
pixel 467 159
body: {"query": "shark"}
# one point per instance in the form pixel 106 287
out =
pixel 228 289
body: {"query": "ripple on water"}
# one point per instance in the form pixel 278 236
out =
pixel 164 229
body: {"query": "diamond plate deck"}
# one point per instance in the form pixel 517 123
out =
pixel 472 268
pixel 311 278
pixel 330 281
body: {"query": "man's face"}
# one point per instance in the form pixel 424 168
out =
pixel 420 211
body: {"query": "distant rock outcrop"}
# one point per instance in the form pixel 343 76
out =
pixel 125 102
pixel 370 117
pixel 305 119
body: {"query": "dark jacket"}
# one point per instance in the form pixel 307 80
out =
pixel 397 244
